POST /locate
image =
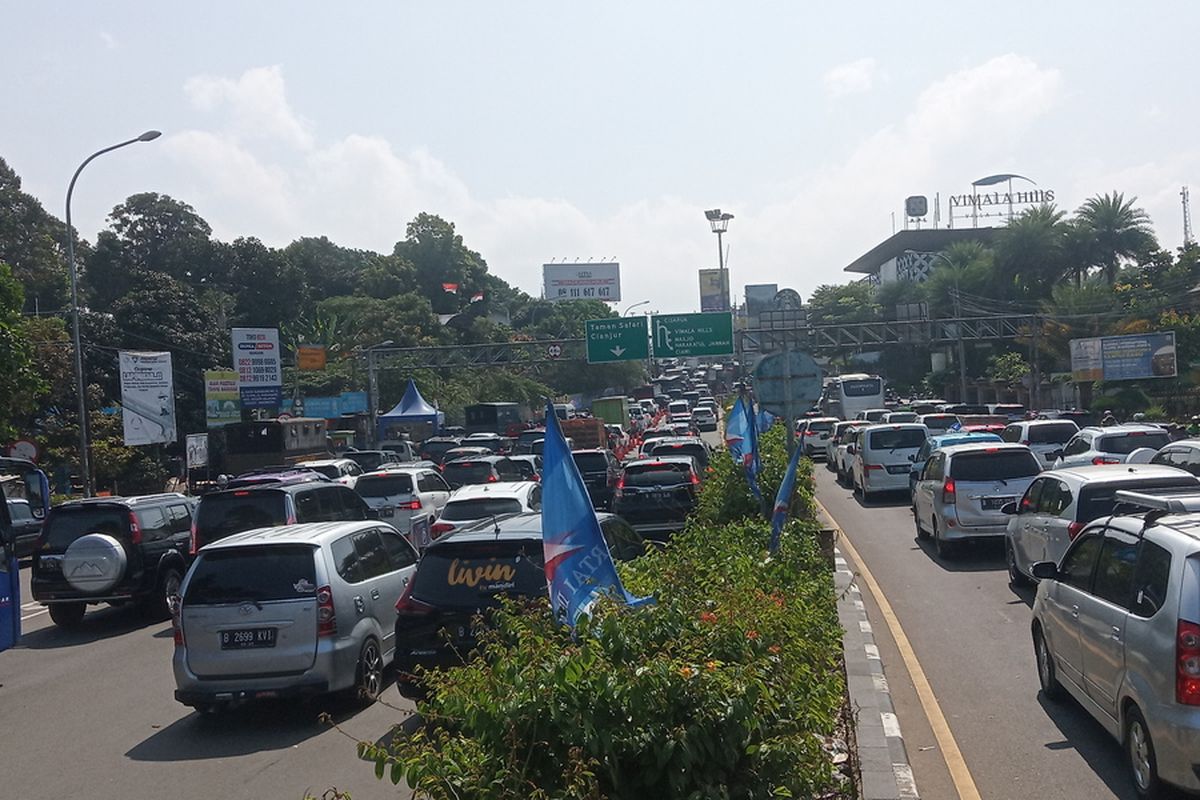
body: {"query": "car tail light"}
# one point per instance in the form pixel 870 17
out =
pixel 1097 460
pixel 411 505
pixel 1025 442
pixel 409 606
pixel 438 528
pixel 694 478
pixel 1073 529
pixel 326 618
pixel 492 478
pixel 135 530
pixel 948 494
pixel 1187 663
pixel 872 466
pixel 194 540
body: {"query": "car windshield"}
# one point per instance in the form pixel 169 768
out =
pixel 590 462
pixel 384 485
pixel 896 439
pixel 468 471
pixel 471 575
pixel 1054 433
pixel 1126 443
pixel 253 574
pixel 68 524
pixel 661 474
pixel 480 508
pixel 222 515
pixel 940 421
pixel 864 387
pixel 993 466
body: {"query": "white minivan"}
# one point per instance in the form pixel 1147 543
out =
pixel 882 457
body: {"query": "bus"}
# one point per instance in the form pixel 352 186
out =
pixel 501 418
pixel 846 395
pixel 275 442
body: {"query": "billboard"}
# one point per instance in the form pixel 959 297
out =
pixel 323 407
pixel 256 360
pixel 310 357
pixel 712 290
pixel 760 297
pixel 582 281
pixel 222 406
pixel 1124 358
pixel 197 450
pixel 354 402
pixel 147 398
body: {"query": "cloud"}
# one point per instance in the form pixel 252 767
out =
pixel 257 105
pixel 853 77
pixel 109 40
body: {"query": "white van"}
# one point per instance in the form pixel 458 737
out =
pixel 882 457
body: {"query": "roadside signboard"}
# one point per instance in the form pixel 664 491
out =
pixel 147 398
pixel 354 402
pixel 323 407
pixel 222 405
pixel 310 357
pixel 197 450
pixel 712 290
pixel 616 339
pixel 787 383
pixel 256 359
pixel 1124 358
pixel 679 335
pixel 582 281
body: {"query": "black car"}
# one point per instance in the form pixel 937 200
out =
pixel 112 550
pixel 600 471
pixel 371 460
pixel 480 469
pixel 467 572
pixel 434 449
pixel 222 514
pixel 25 526
pixel 656 494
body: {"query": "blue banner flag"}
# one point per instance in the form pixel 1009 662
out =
pixel 579 567
pixel 783 499
pixel 741 437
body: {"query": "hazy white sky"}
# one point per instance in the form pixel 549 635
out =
pixel 570 130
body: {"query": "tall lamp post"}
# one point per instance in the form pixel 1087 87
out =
pixel 719 223
pixel 962 350
pixel 85 461
pixel 635 305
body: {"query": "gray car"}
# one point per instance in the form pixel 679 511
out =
pixel 293 610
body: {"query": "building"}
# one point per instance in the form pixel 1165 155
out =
pixel 910 255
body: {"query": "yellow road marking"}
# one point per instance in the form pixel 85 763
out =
pixel 964 784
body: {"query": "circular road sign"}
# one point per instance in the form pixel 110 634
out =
pixel 554 350
pixel 24 448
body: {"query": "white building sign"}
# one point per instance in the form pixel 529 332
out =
pixel 583 281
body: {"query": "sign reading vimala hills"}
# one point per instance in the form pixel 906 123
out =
pixel 679 335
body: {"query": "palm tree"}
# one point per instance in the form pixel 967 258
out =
pixel 1030 252
pixel 1118 231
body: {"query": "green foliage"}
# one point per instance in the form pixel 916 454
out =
pixel 20 382
pixel 1010 368
pixel 852 302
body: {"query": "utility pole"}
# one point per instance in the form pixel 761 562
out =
pixel 962 349
pixel 373 396
pixel 1188 237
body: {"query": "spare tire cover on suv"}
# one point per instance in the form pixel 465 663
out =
pixel 94 563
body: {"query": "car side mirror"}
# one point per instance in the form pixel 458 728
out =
pixel 913 458
pixel 1010 509
pixel 1044 570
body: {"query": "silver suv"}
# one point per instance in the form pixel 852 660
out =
pixel 1111 445
pixel 1117 626
pixel 293 610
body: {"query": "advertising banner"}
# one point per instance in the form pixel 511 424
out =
pixel 147 398
pixel 354 402
pixel 197 450
pixel 712 290
pixel 323 407
pixel 256 360
pixel 1124 358
pixel 310 357
pixel 583 281
pixel 222 406
pixel 760 297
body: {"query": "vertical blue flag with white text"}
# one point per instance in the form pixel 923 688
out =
pixel 741 437
pixel 783 499
pixel 579 567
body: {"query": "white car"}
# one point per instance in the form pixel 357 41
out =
pixel 1111 445
pixel 342 470
pixel 883 457
pixel 813 434
pixel 872 415
pixel 835 439
pixel 843 458
pixel 474 502
pixel 402 494
pixel 1045 437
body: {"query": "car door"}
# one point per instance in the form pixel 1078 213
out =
pixel 1026 543
pixel 369 594
pixel 179 519
pixel 931 482
pixel 1103 613
pixel 1057 519
pixel 1072 453
pixel 1062 600
pixel 402 559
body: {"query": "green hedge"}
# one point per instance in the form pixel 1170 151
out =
pixel 727 687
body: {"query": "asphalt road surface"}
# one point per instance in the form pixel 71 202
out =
pixel 970 632
pixel 90 714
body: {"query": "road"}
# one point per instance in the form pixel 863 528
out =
pixel 970 632
pixel 91 714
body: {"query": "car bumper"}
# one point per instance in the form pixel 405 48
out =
pixel 953 529
pixel 1175 730
pixel 882 481
pixel 814 450
pixel 332 670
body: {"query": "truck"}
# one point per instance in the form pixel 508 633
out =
pixel 586 433
pixel 501 418
pixel 613 410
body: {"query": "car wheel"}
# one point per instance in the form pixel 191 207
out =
pixel 945 549
pixel 1015 576
pixel 368 679
pixel 158 605
pixel 1139 749
pixel 67 615
pixel 1047 673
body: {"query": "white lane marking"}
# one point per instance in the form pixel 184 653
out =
pixel 881 684
pixel 864 626
pixel 891 725
pixel 872 651
pixel 36 614
pixel 905 783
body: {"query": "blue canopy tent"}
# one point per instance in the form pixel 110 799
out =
pixel 412 416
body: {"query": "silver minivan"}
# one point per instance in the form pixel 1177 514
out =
pixel 293 610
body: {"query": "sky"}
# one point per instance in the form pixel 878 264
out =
pixel 573 131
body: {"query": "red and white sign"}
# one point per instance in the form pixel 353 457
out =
pixel 24 448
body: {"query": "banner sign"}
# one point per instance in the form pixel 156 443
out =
pixel 147 398
pixel 323 407
pixel 1124 358
pixel 197 450
pixel 354 402
pixel 222 406
pixel 310 357
pixel 712 290
pixel 256 360
pixel 583 281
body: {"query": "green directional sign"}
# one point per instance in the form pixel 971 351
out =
pixel 617 339
pixel 678 335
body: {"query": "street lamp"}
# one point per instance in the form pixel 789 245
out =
pixel 719 223
pixel 962 352
pixel 85 465
pixel 373 388
pixel 635 305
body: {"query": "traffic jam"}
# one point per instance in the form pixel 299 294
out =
pixel 1096 517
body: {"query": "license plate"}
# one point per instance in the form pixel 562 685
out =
pixel 247 638
pixel 995 503
pixel 389 512
pixel 899 469
pixel 658 495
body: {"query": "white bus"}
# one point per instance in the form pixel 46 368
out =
pixel 846 395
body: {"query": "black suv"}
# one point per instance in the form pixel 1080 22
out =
pixel 434 449
pixel 112 550
pixel 656 494
pixel 600 471
pixel 222 514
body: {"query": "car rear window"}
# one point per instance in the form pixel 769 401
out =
pixel 896 439
pixel 471 575
pixel 384 485
pixel 328 470
pixel 665 474
pixel 682 449
pixel 463 510
pixel 590 462
pixel 1099 501
pixel 1001 465
pixel 1124 444
pixel 68 524
pixel 221 515
pixel 468 471
pixel 1057 433
pixel 822 427
pixel 254 573
pixel 942 421
pixel 861 388
pixel 437 448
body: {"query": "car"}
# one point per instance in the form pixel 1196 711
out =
pixel 434 448
pixel 882 457
pixel 290 611
pixel 1014 411
pixel 900 416
pixel 600 470
pixel 341 470
pixel 265 475
pixel 479 469
pixel 399 495
pixel 938 441
pixel 964 488
pixel 224 513
pixel 1116 626
pixel 938 423
pixel 526 438
pixel 112 550
pixel 872 414
pixel 813 435
pixel 530 466
pixel 704 418
pixel 1111 445
pixel 403 448
pixel 656 494
pixel 681 446
pixel 468 572
pixel 1060 502
pixel 843 454
pixel 465 451
pixel 836 433
pixel 1045 437
pixel 485 500
pixel 492 441
pixel 1184 454
pixel 679 409
pixel 25 526
pixel 371 460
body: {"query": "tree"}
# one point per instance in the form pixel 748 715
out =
pixel 19 383
pixel 32 244
pixel 439 256
pixel 852 302
pixel 1118 231
pixel 267 288
pixel 1030 253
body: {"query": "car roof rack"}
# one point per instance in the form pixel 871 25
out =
pixel 1169 503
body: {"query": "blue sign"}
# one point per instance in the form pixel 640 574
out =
pixel 787 378
pixel 261 396
pixel 354 402
pixel 1124 358
pixel 323 407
